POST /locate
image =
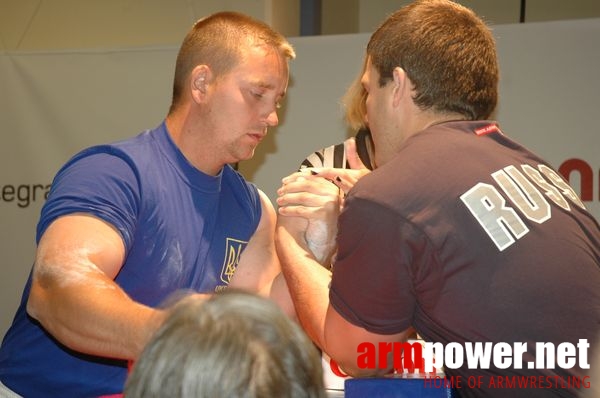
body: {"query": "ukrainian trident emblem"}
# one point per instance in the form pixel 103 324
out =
pixel 233 250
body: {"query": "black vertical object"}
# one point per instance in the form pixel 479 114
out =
pixel 310 17
pixel 522 15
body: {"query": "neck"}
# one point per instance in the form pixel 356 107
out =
pixel 189 142
pixel 445 118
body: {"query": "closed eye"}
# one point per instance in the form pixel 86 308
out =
pixel 260 96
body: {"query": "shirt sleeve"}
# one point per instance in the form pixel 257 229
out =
pixel 98 183
pixel 373 282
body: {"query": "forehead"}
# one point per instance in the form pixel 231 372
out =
pixel 266 59
pixel 263 66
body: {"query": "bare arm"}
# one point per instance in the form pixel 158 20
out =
pixel 309 286
pixel 309 282
pixel 259 270
pixel 318 201
pixel 73 294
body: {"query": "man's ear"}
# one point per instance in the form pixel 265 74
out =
pixel 199 80
pixel 200 83
pixel 401 85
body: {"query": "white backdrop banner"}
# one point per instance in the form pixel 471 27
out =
pixel 54 104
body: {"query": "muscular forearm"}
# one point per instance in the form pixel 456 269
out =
pixel 74 295
pixel 95 317
pixel 280 294
pixel 308 283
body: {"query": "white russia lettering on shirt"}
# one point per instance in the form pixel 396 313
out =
pixel 529 190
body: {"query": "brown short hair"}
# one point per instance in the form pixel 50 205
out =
pixel 448 53
pixel 217 41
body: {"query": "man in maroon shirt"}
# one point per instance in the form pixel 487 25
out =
pixel 459 234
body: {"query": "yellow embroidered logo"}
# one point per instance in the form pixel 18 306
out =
pixel 233 250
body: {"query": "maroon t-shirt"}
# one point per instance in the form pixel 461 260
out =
pixel 469 237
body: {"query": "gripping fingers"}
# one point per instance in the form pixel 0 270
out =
pixel 299 211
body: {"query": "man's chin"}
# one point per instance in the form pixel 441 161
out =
pixel 244 156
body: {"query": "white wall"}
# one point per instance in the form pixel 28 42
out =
pixel 27 25
pixel 74 24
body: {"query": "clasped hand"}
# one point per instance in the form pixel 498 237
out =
pixel 309 204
